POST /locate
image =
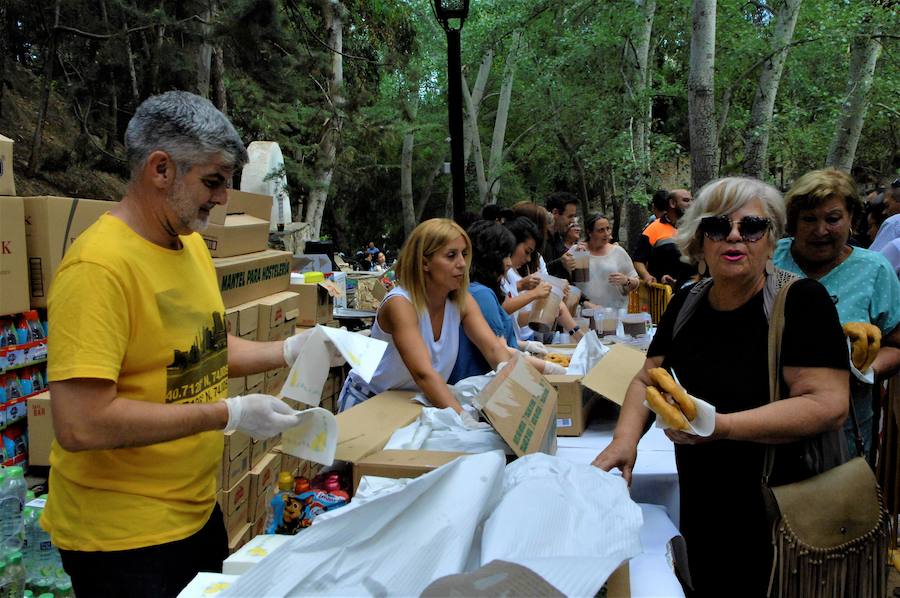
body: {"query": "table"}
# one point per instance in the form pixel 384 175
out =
pixel 654 479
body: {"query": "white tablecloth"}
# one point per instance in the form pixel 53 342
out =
pixel 654 480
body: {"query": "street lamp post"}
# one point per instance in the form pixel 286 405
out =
pixel 452 15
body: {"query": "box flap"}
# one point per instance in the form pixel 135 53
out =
pixel 400 460
pixel 521 406
pixel 7 139
pixel 235 220
pixel 241 202
pixel 366 427
pixel 612 374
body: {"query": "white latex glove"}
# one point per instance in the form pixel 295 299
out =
pixel 292 345
pixel 553 368
pixel 535 347
pixel 500 366
pixel 260 416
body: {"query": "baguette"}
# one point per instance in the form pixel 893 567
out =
pixel 664 381
pixel 670 414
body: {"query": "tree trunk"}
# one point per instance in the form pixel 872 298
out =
pixel 429 186
pixel 637 51
pixel 410 108
pixel 757 145
pixel 112 115
pixel 864 53
pixel 132 72
pixel 49 61
pixel 496 159
pixel 476 96
pixel 701 93
pixel 582 176
pixel 325 160
pixel 474 141
pixel 204 52
pixel 220 98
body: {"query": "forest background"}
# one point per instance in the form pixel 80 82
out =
pixel 609 100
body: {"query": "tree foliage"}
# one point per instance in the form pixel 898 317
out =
pixel 571 122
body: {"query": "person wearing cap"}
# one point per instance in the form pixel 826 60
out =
pixel 138 366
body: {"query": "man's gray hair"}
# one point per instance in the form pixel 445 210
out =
pixel 185 126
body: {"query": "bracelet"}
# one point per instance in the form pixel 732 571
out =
pixel 574 330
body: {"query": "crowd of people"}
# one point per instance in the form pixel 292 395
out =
pixel 132 484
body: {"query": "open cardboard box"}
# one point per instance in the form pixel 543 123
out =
pixel 609 378
pixel 519 403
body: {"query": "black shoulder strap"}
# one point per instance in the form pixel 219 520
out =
pixel 691 302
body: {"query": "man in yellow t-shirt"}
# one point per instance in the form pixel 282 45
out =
pixel 138 365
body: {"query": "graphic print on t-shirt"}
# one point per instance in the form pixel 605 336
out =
pixel 198 371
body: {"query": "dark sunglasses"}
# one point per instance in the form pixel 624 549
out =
pixel 751 228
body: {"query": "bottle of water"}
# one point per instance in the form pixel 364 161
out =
pixel 30 545
pixel 49 561
pixel 12 497
pixel 15 572
pixel 63 589
pixel 4 580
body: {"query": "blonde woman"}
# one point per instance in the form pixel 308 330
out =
pixel 420 319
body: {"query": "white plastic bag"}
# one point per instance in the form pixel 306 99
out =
pixel 588 352
pixel 443 430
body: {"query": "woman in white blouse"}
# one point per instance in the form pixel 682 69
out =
pixel 612 273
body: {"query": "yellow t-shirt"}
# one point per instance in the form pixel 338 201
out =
pixel 152 319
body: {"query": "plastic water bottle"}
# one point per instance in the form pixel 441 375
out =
pixel 15 573
pixel 4 580
pixel 30 545
pixel 12 497
pixel 48 557
pixel 63 589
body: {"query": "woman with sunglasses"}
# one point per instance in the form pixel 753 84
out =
pixel 863 286
pixel 719 354
pixel 612 272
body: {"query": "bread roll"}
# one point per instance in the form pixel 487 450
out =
pixel 670 414
pixel 664 381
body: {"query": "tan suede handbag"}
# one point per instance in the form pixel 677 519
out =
pixel 830 532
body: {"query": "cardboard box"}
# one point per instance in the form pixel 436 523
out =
pixel 240 234
pixel 14 297
pixel 265 474
pixel 242 202
pixel 521 406
pixel 40 429
pixel 51 225
pixel 573 404
pixel 619 583
pixel 252 553
pixel 7 179
pixel 236 468
pixel 259 505
pixel 244 278
pixel 613 374
pixel 359 438
pixel 258 450
pixel 237 538
pixel 258 527
pixel 276 314
pixel 316 303
pixel 254 380
pixel 231 321
pixel 244 319
pixel 256 388
pixel 401 464
pixel 233 497
pixel 275 379
pixel 236 442
pixel 236 386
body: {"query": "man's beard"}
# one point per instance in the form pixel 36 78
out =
pixel 186 209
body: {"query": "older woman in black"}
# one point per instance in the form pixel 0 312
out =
pixel 720 356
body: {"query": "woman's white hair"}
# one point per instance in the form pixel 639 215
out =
pixel 722 197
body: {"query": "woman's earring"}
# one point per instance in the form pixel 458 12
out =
pixel 701 267
pixel 770 267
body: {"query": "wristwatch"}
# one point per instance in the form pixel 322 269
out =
pixel 574 330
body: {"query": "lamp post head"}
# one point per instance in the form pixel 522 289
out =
pixel 445 10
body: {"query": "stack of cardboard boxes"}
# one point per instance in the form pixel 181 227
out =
pixel 35 233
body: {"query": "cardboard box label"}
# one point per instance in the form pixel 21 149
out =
pixel 248 277
pixel 40 429
pixel 14 297
pixel 521 406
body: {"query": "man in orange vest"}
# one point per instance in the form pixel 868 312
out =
pixel 656 257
